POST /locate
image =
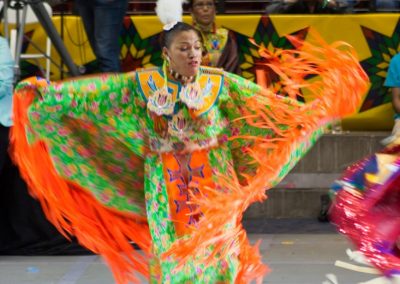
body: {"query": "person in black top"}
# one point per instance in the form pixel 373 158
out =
pixel 306 7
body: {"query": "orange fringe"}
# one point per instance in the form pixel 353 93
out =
pixel 72 210
pixel 338 90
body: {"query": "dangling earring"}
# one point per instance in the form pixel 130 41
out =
pixel 164 66
pixel 167 60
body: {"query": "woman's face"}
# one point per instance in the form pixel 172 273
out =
pixel 203 12
pixel 184 53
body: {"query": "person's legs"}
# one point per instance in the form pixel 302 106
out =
pixel 7 235
pixel 86 12
pixel 349 4
pixel 109 16
pixel 386 4
pixel 4 142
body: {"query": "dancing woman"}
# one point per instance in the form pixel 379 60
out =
pixel 170 157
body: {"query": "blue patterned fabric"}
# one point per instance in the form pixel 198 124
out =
pixel 6 83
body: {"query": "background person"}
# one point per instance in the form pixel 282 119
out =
pixel 390 5
pixel 306 7
pixel 6 91
pixel 220 43
pixel 23 226
pixel 393 81
pixel 103 21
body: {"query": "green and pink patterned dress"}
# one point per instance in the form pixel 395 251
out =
pixel 114 160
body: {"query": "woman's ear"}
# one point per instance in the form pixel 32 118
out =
pixel 165 54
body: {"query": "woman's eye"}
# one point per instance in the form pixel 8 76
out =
pixel 186 48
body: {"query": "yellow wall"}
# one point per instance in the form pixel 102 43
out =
pixel 374 36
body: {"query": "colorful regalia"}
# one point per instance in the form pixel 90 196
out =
pixel 366 208
pixel 116 159
pixel 221 49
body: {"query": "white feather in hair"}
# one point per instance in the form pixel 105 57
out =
pixel 169 12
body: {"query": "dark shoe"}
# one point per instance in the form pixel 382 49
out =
pixel 325 204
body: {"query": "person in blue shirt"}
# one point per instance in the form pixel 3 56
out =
pixel 393 81
pixel 23 225
pixel 6 91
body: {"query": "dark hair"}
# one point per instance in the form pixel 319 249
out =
pixel 191 2
pixel 167 36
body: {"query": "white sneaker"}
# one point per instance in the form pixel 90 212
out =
pixel 331 279
pixel 357 256
pixel 379 280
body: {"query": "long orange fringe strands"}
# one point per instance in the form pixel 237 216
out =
pixel 74 211
pixel 338 89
